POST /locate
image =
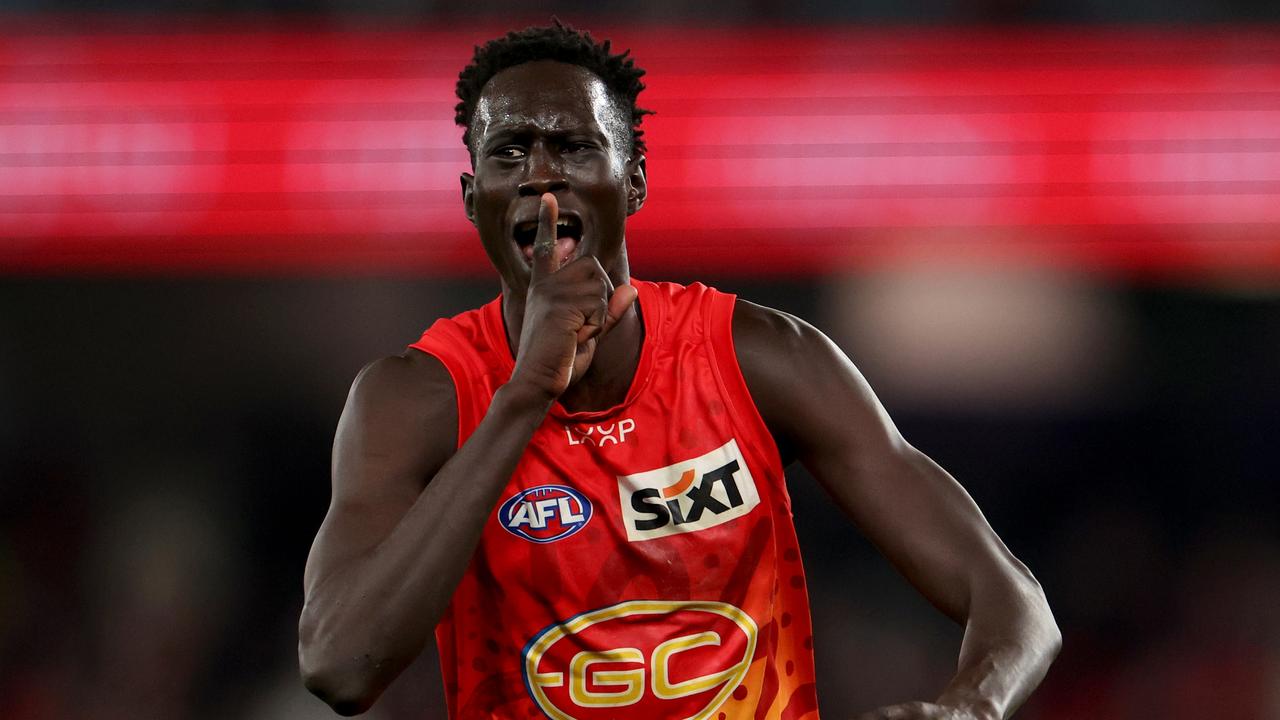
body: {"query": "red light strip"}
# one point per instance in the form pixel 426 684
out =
pixel 250 150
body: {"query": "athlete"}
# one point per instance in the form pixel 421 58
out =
pixel 579 486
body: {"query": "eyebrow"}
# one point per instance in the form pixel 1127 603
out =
pixel 503 133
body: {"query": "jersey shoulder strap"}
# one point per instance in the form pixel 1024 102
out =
pixel 467 347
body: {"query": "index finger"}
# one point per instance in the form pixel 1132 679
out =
pixel 544 243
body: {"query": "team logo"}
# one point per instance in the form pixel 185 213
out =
pixel 545 513
pixel 692 495
pixel 657 658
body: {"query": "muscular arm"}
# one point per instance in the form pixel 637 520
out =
pixel 386 560
pixel 823 412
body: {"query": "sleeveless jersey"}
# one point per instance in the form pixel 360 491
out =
pixel 641 562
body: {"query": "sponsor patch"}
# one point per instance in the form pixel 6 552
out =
pixel 688 496
pixel 600 435
pixel 545 513
pixel 657 658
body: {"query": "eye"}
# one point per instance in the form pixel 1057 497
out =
pixel 509 152
pixel 577 146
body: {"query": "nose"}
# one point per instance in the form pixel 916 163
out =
pixel 542 172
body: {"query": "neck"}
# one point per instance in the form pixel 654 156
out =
pixel 613 367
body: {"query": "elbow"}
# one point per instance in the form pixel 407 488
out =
pixel 343 696
pixel 1049 641
pixel 1013 593
pixel 1048 632
pixel 1054 641
pixel 343 686
pixel 346 692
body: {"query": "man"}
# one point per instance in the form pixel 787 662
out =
pixel 579 486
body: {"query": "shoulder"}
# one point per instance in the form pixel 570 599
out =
pixel 413 389
pixel 774 344
pixel 764 330
pixel 785 362
pixel 412 375
pixel 808 391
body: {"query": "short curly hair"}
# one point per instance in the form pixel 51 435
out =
pixel 562 43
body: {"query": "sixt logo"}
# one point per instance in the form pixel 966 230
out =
pixel 545 513
pixel 688 496
pixel 656 658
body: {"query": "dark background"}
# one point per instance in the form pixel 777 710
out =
pixel 164 449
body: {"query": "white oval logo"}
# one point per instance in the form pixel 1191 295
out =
pixel 546 513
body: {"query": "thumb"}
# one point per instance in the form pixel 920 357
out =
pixel 622 299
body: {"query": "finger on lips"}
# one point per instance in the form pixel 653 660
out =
pixel 603 305
pixel 544 243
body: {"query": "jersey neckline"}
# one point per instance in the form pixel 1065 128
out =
pixel 651 310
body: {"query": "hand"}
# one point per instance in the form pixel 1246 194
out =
pixel 918 711
pixel 568 309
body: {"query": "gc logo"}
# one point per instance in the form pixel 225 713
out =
pixel 667 659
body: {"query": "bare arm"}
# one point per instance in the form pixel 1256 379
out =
pixel 823 412
pixel 386 561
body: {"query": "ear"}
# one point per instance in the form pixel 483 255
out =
pixel 468 203
pixel 637 185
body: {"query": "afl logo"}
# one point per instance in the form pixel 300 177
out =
pixel 546 513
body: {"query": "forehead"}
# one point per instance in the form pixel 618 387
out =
pixel 547 96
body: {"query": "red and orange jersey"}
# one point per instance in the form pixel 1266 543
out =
pixel 642 562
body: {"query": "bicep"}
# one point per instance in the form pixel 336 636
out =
pixel 919 517
pixel 910 508
pixel 398 428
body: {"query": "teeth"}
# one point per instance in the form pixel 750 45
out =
pixel 532 225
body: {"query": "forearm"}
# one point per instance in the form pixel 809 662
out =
pixel 368 618
pixel 1009 641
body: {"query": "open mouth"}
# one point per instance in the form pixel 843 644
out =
pixel 567 226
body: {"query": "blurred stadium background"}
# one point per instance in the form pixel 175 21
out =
pixel 1048 232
